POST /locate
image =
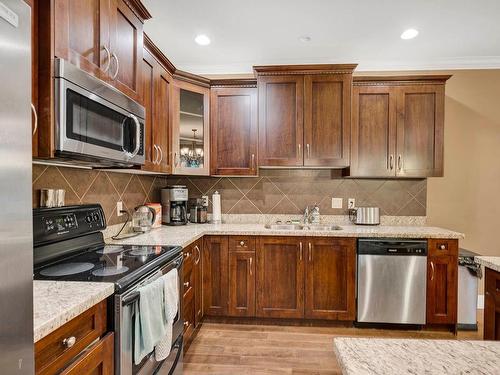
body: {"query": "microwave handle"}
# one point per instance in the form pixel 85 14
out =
pixel 137 137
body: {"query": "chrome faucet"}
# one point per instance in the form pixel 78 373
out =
pixel 311 215
pixel 307 216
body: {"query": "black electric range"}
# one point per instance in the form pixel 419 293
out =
pixel 69 246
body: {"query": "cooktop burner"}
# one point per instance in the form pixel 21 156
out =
pixel 110 249
pixel 109 271
pixel 66 269
pixel 141 251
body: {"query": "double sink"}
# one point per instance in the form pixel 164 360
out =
pixel 296 227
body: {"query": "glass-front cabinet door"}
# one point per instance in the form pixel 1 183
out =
pixel 190 129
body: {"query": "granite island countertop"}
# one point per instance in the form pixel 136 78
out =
pixel 363 356
pixel 186 234
pixel 489 262
pixel 57 302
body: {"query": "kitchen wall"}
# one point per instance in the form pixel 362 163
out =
pixel 467 199
pixel 95 186
pixel 290 191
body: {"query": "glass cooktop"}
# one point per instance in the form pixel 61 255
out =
pixel 119 264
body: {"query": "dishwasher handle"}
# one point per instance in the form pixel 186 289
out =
pixel 392 247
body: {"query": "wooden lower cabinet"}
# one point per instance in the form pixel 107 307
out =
pixel 90 354
pixel 442 281
pixel 215 275
pixel 96 360
pixel 492 305
pixel 192 312
pixel 280 277
pixel 330 278
pixel 198 283
pixel 241 283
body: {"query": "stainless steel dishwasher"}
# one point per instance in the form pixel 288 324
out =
pixel 392 280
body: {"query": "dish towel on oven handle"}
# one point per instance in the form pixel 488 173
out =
pixel 171 303
pixel 150 320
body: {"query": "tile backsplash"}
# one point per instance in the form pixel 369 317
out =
pixel 278 191
pixel 95 186
pixel 273 192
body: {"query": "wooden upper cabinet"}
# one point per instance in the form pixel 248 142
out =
pixel 126 46
pixel 420 128
pixel 442 281
pixel 190 125
pixel 148 97
pixel 373 131
pixel 163 87
pixel 327 113
pixel 215 275
pixel 397 126
pixel 281 120
pixel 330 278
pixel 304 115
pixel 233 130
pixel 104 38
pixel 280 277
pixel 82 34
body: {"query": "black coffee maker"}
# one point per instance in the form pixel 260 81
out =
pixel 174 202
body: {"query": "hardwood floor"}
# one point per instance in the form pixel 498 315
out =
pixel 263 349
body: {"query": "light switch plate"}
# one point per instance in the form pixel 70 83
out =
pixel 337 202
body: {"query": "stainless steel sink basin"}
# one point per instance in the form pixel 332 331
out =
pixel 312 227
pixel 324 227
pixel 285 226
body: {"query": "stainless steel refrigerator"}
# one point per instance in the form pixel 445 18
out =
pixel 16 238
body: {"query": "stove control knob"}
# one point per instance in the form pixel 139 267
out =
pixel 95 217
pixel 88 219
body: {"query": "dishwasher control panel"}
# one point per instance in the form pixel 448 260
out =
pixel 392 247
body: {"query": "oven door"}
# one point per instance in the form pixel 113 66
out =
pixel 124 328
pixel 91 128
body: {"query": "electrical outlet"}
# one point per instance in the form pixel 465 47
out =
pixel 119 208
pixel 351 203
pixel 337 202
pixel 205 200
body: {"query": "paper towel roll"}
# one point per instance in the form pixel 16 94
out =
pixel 216 209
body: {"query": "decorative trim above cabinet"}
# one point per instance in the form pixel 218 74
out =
pixel 277 70
pixel 158 54
pixel 195 79
pixel 234 82
pixel 400 80
pixel 139 9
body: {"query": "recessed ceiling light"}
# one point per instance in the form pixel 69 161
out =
pixel 202 40
pixel 305 38
pixel 409 34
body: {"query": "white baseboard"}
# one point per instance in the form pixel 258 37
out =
pixel 480 301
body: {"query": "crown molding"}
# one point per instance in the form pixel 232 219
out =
pixel 158 54
pixel 139 9
pixel 191 78
pixel 360 80
pixel 234 82
pixel 264 70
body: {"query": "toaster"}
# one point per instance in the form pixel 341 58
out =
pixel 365 215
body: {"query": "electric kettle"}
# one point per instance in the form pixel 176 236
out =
pixel 143 219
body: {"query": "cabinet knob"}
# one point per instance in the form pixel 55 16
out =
pixel 186 324
pixel 69 342
pixel 187 255
pixel 242 243
pixel 186 284
pixel 442 247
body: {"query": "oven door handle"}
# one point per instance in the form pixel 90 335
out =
pixel 132 154
pixel 178 345
pixel 132 297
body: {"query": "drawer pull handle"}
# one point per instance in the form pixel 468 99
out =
pixel 187 255
pixel 186 324
pixel 432 274
pixel 69 342
pixel 186 284
pixel 242 243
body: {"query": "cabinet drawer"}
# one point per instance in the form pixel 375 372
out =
pixel 438 247
pixel 188 316
pixel 54 352
pixel 241 243
pixel 96 360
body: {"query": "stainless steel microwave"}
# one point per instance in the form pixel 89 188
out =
pixel 95 123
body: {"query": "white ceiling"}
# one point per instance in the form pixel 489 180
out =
pixel 454 34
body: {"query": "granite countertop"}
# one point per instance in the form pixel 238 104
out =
pixel 57 302
pixel 186 234
pixel 362 356
pixel 490 262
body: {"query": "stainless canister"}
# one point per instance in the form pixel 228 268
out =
pixel 52 197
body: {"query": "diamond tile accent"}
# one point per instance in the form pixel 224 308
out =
pixel 275 191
